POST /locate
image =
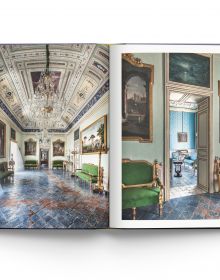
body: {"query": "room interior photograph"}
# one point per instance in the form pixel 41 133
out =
pixel 54 136
pixel 170 136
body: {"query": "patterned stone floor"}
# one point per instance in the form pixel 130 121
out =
pixel 194 207
pixel 50 199
pixel 185 185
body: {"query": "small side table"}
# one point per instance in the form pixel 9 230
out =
pixel 178 168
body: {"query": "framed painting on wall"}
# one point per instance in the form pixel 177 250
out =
pixel 76 135
pixel 190 69
pixel 94 137
pixel 13 134
pixel 2 139
pixel 137 111
pixel 30 147
pixel 58 148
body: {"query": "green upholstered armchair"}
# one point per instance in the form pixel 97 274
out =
pixel 31 164
pixel 89 173
pixel 141 185
pixel 57 164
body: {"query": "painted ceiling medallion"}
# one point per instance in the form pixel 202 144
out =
pixel 76 74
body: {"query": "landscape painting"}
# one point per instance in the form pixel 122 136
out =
pixel 30 147
pixel 2 139
pixel 137 80
pixel 93 138
pixel 58 148
pixel 189 68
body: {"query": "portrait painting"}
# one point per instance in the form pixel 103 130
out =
pixel 137 81
pixel 58 148
pixel 30 147
pixel 2 139
pixel 93 138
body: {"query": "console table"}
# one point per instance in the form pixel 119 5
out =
pixel 178 167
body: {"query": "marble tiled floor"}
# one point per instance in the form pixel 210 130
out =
pixel 50 199
pixel 194 207
pixel 185 185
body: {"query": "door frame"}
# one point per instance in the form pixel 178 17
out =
pixel 181 89
pixel 46 149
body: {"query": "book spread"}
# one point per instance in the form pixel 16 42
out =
pixel 123 136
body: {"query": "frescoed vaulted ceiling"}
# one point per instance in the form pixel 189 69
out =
pixel 80 74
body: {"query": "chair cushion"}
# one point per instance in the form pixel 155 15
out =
pixel 137 197
pixel 90 169
pixel 86 177
pixel 58 162
pixel 194 156
pixel 175 155
pixel 187 157
pixel 134 173
pixel 30 162
pixel 189 161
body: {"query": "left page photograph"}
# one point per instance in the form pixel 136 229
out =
pixel 54 136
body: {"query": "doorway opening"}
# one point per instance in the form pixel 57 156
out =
pixel 44 158
pixel 189 144
pixel 15 154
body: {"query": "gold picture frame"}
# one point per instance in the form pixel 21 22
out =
pixel 58 148
pixel 137 110
pixel 185 83
pixel 30 147
pixel 93 138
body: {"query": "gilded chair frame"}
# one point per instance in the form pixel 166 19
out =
pixel 150 185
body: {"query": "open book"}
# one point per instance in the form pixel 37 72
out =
pixel 120 136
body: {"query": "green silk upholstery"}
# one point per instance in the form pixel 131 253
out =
pixel 91 169
pixel 137 197
pixel 138 173
pixel 134 173
pixel 89 173
pixel 31 163
pixel 57 164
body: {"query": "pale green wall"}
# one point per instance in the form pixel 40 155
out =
pixel 154 150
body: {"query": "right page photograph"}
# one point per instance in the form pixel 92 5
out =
pixel 169 135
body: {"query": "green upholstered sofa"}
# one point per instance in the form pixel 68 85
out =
pixel 4 170
pixel 89 173
pixel 57 164
pixel 141 185
pixel 33 164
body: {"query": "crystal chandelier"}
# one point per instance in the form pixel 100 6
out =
pixel 44 138
pixel 46 106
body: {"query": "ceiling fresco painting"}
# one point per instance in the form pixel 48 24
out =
pixel 35 77
pixel 80 73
